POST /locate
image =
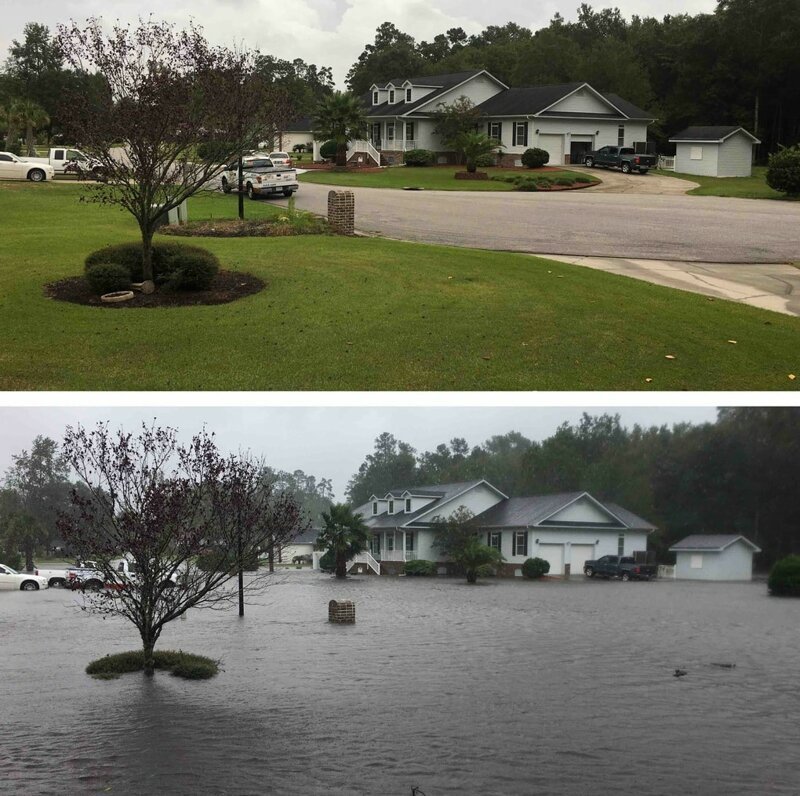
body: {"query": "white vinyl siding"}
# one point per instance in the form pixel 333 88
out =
pixel 735 562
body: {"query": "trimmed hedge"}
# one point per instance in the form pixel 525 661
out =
pixel 784 579
pixel 535 568
pixel 420 157
pixel 328 150
pixel 535 158
pixel 420 567
pixel 175 265
pixel 180 664
pixel 108 278
pixel 783 171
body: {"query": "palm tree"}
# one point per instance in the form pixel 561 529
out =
pixel 344 535
pixel 473 145
pixel 339 117
pixel 27 114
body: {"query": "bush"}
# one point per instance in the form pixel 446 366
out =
pixel 564 181
pixel 108 278
pixel 535 568
pixel 784 579
pixel 420 567
pixel 420 157
pixel 485 161
pixel 529 185
pixel 11 559
pixel 327 562
pixel 181 267
pixel 181 664
pixel 328 150
pixel 535 158
pixel 783 171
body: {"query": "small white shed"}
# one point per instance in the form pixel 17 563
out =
pixel 714 151
pixel 714 557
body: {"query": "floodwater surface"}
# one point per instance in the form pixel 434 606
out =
pixel 507 687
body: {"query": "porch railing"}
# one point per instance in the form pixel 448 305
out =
pixel 365 147
pixel 666 162
pixel 366 558
pixel 399 555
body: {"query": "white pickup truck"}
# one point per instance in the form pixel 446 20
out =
pixel 260 177
pixel 91 578
pixel 59 157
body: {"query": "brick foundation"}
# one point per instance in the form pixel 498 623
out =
pixel 342 612
pixel 342 211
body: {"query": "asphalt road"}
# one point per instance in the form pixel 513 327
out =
pixel 644 226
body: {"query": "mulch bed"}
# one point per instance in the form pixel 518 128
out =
pixel 227 286
pixel 247 228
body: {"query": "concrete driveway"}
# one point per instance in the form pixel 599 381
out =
pixel 650 183
pixel 739 249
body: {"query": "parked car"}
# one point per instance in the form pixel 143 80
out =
pixel 14 168
pixel 622 567
pixel 260 177
pixel 11 579
pixel 303 559
pixel 281 159
pixel 624 158
pixel 60 157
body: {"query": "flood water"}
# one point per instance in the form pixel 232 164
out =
pixel 507 687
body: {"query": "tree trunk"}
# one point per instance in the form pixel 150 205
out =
pixel 271 557
pixel 147 255
pixel 472 576
pixel 29 141
pixel 28 556
pixel 148 645
pixel 341 155
pixel 341 565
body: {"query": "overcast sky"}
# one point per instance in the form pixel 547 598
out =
pixel 324 32
pixel 328 442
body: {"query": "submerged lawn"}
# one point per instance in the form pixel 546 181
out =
pixel 432 178
pixel 752 187
pixel 364 314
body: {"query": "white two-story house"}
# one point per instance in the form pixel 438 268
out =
pixel 565 529
pixel 565 120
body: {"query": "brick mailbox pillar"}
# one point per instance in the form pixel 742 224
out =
pixel 342 211
pixel 342 612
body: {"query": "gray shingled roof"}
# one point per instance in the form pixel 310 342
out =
pixel 300 125
pixel 524 511
pixel 708 133
pixel 713 542
pixel 307 537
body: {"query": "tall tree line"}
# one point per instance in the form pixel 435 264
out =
pixel 738 65
pixel 737 475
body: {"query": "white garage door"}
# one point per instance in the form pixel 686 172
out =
pixel 554 144
pixel 580 554
pixel 554 553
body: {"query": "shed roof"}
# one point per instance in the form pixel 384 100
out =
pixel 710 134
pixel 711 543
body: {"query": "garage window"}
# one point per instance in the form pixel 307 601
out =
pixel 696 561
pixel 696 153
pixel 520 134
pixel 520 543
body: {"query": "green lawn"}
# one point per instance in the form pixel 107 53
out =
pixel 432 178
pixel 753 187
pixel 364 314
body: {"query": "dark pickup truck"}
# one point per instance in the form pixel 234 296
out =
pixel 622 567
pixel 620 157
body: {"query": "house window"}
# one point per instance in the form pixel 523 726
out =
pixel 621 135
pixel 410 542
pixel 374 506
pixel 696 153
pixel 374 97
pixel 409 131
pixel 389 542
pixel 621 545
pixel 408 95
pixel 696 561
pixel 496 130
pixel 390 131
pixel 391 95
pixel 493 539
pixel 408 505
pixel 520 134
pixel 391 507
pixel 520 543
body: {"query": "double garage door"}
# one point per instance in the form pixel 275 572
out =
pixel 554 554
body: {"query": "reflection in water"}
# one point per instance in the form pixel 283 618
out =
pixel 507 687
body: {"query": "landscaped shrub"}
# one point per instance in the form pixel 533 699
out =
pixel 183 267
pixel 420 567
pixel 535 567
pixel 564 181
pixel 327 562
pixel 181 664
pixel 108 278
pixel 784 580
pixel 783 171
pixel 328 150
pixel 528 185
pixel 535 158
pixel 485 161
pixel 420 157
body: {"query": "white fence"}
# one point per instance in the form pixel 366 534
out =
pixel 666 162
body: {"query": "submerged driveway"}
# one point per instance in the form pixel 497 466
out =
pixel 737 249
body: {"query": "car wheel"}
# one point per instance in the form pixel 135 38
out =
pixel 36 175
pixel 251 194
pixel 57 583
pixel 589 162
pixel 626 168
pixel 226 186
pixel 29 585
pixel 625 577
pixel 287 192
pixel 589 572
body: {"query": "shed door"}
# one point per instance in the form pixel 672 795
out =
pixel 554 553
pixel 581 553
pixel 554 144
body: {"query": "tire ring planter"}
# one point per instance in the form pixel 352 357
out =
pixel 117 296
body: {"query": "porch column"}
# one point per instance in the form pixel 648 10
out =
pixel 316 154
pixel 404 546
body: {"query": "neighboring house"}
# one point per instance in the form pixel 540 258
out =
pixel 714 151
pixel 714 557
pixel 301 545
pixel 298 132
pixel 565 529
pixel 566 120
